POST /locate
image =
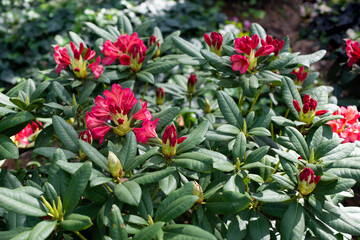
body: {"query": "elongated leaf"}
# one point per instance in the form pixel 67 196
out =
pixel 334 187
pixel 176 208
pixel 6 100
pixel 195 161
pixel 168 43
pixel 169 183
pixel 7 148
pixel 186 232
pixel 259 227
pixel 290 93
pixel 116 229
pixel 129 192
pixel 76 222
pixel 293 222
pixel 257 29
pixel 320 230
pixel 145 77
pixel 237 229
pixel 283 180
pixel 239 148
pixel 228 202
pixel 86 91
pixel 125 25
pixel 344 169
pixel 298 141
pixel 62 93
pixel 146 205
pixel 128 151
pixel 165 117
pixel 42 230
pixel 20 202
pixel 309 59
pixel 5 235
pixel 14 123
pixel 160 67
pixel 229 109
pixel 194 138
pixel 149 232
pixel 185 46
pixel 257 155
pixel 269 195
pixel 66 133
pixel 94 155
pixel 76 39
pixel 77 186
pixel 101 32
pixel 49 152
pixel 145 178
pixel 138 160
pixel 216 61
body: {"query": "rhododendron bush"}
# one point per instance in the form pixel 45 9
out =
pixel 145 136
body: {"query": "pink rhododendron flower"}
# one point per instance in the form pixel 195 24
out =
pixel 130 50
pixel 23 137
pixel 349 126
pixel 278 45
pixel 307 113
pixel 214 42
pixel 113 112
pixel 147 131
pixel 247 46
pixel 78 64
pixel 300 75
pixel 352 51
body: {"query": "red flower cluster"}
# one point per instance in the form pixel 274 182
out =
pixel 214 42
pixel 352 51
pixel 113 112
pixel 278 45
pixel 24 135
pixel 349 126
pixel 300 75
pixel 130 50
pixel 307 113
pixel 78 63
pixel 247 47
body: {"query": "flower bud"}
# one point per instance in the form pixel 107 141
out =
pixel 300 76
pixel 207 106
pixel 152 41
pixel 214 42
pixel 137 56
pixel 160 96
pixel 114 165
pixel 170 141
pixel 307 181
pixel 321 112
pixel 197 191
pixel 191 83
pixel 86 136
pixel 296 105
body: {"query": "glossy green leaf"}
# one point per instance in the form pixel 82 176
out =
pixel 160 67
pixel 94 155
pixel 42 230
pixel 228 202
pixel 149 232
pixel 176 208
pixel 129 149
pixel 169 183
pixel 239 148
pixel 186 47
pixel 216 61
pixel 165 117
pixel 145 77
pixel 237 229
pixel 76 222
pixel 140 159
pixel 128 192
pixel 5 235
pixel 257 29
pixel 195 137
pixel 293 222
pixel 7 148
pixel 146 205
pixel 66 133
pixel 186 232
pixel 124 25
pixel 290 93
pixel 101 32
pixel 229 109
pixel 307 60
pixel 195 161
pixel 77 185
pixel 117 230
pixel 283 180
pixel 269 195
pixel 298 141
pixel 150 177
pixel 259 227
pixel 76 39
pixel 86 91
pixel 49 152
pixel 13 123
pixel 257 155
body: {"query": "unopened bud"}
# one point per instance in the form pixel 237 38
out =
pixel 207 106
pixel 160 96
pixel 321 112
pixel 152 41
pixel 114 165
pixel 296 105
pixel 307 181
pixel 86 136
pixel 191 83
pixel 197 191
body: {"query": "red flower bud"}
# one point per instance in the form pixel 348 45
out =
pixel 170 141
pixel 160 96
pixel 86 136
pixel 191 83
pixel 296 105
pixel 307 181
pixel 321 112
pixel 306 98
pixel 306 107
pixel 313 104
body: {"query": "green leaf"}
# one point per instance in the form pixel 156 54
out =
pixel 239 148
pixel 229 109
pixel 77 186
pixel 5 235
pixel 168 42
pixel 21 236
pixel 165 117
pixel 146 205
pixel 149 232
pixel 42 230
pixel 6 100
pixel 259 131
pixel 14 123
pixel 76 39
pixel 128 151
pixel 125 25
pixel 298 141
pixel 94 155
pixel 128 192
pixel 116 229
pixel 159 67
pixel 169 184
pixel 320 230
pixel 66 133
pixel 20 202
pixel 257 29
pixel 150 177
pixel 138 160
pixel 334 187
pixel 87 91
pixel 195 137
pixel 344 169
pixel 49 152
pixel 192 61
pixel 307 60
pixel 195 161
pixel 216 61
pixel 145 77
pixel 141 29
pixel 101 32
pixel 228 202
pixel 293 222
pixel 186 232
pixel 186 47
pixel 279 63
pixel 176 208
pixel 62 93
pixel 269 195
pixel 259 227
pixel 237 229
pixel 257 155
pixel 290 93
pixel 284 181
pixel 76 222
pixel 7 148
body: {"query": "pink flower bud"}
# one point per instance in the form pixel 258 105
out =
pixel 296 105
pixel 160 96
pixel 191 83
pixel 321 112
pixel 307 181
pixel 86 136
pixel 306 107
pixel 170 141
